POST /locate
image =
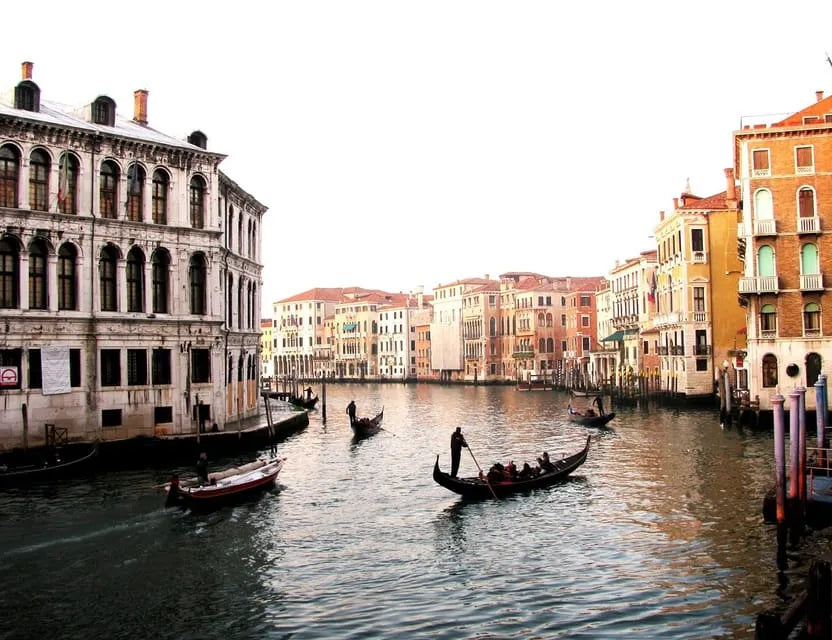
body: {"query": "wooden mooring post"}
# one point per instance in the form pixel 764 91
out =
pixel 820 414
pixel 780 476
pixel 814 604
pixel 323 398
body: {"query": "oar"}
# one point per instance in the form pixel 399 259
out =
pixel 490 488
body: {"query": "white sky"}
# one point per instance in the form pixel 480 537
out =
pixel 400 144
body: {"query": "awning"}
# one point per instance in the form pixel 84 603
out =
pixel 618 336
pixel 349 326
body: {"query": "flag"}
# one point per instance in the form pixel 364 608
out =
pixel 651 295
pixel 63 179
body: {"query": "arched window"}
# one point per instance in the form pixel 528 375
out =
pixel 769 370
pixel 253 241
pixel 240 234
pixel 809 260
pixel 135 192
pixel 9 264
pixel 104 111
pixel 197 276
pixel 68 184
pixel 161 183
pixel 806 202
pixel 197 202
pixel 240 318
pixel 763 208
pixel 9 173
pixel 229 302
pixel 160 267
pixel 107 276
pixel 492 327
pixel 37 275
pixel 541 345
pixel 765 261
pixel 39 166
pixel 811 319
pixel 813 368
pixel 135 280
pixel 66 277
pixel 768 321
pixel 108 189
pixel 250 239
pixel 550 345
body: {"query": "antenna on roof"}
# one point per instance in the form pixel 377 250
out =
pixel 828 59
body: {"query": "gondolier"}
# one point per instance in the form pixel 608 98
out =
pixel 351 411
pixel 457 442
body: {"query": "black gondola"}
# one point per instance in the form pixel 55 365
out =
pixel 362 427
pixel 47 464
pixel 305 403
pixel 589 421
pixel 478 487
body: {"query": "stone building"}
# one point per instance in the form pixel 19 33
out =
pixel 125 309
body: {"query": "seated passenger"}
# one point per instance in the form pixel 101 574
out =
pixel 525 472
pixel 545 463
pixel 496 473
pixel 511 470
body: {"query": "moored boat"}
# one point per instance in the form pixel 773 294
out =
pixel 594 420
pixel 51 463
pixel 480 487
pixel 362 427
pixel 225 487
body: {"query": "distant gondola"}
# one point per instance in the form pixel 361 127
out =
pixel 367 426
pixel 47 464
pixel 305 403
pixel 478 488
pixel 589 421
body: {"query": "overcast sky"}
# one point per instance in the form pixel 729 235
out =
pixel 400 144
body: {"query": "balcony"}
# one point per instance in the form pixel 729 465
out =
pixel 761 173
pixel 805 170
pixel 523 353
pixel 700 316
pixel 759 284
pixel 808 225
pixel 677 350
pixel 666 319
pixel 701 349
pixel 662 351
pixel 700 257
pixel 811 282
pixel 765 228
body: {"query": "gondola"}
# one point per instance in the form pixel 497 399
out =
pixel 305 403
pixel 226 487
pixel 589 421
pixel 363 427
pixel 477 488
pixel 20 468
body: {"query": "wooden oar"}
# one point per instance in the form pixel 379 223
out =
pixel 490 488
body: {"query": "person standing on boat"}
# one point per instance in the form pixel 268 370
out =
pixel 457 442
pixel 202 469
pixel 351 411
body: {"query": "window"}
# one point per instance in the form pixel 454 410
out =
pixel 110 367
pixel 136 367
pixel 111 417
pixel 162 415
pixel 68 184
pixel 27 96
pixel 768 321
pixel 39 180
pixel 160 265
pixel 806 202
pixel 763 207
pixel 108 189
pixel 809 260
pixel 104 111
pixel 197 202
pixel 697 240
pixel 701 364
pixel 35 370
pixel 699 300
pixel 66 277
pixel 37 275
pixel 161 366
pixel 135 280
pixel 75 368
pixel 813 368
pixel 811 319
pixel 8 274
pixel 107 276
pixel 765 261
pixel 196 273
pixel 160 197
pixel 201 365
pixel 584 301
pixel 584 321
pixel 646 347
pixel 769 370
pixel 9 170
pixel 135 193
pixel 760 163
pixel 804 160
pixel 585 344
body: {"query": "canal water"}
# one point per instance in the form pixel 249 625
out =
pixel 658 535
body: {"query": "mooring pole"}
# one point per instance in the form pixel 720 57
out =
pixel 820 416
pixel 323 397
pixel 801 453
pixel 728 409
pixel 780 474
pixel 794 445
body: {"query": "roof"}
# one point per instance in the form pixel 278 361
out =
pixel 710 203
pixel 620 335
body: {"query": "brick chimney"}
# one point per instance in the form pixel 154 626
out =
pixel 819 95
pixel 730 189
pixel 140 106
pixel 27 70
pixel 676 203
pixel 661 216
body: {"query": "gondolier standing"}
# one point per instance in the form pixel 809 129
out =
pixel 457 442
pixel 351 411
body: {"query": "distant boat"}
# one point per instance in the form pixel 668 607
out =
pixel 593 420
pixel 536 382
pixel 45 464
pixel 363 427
pixel 225 487
pixel 306 403
pixel 479 487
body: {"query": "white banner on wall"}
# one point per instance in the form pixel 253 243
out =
pixel 54 366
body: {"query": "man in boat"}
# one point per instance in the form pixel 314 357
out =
pixel 457 442
pixel 308 393
pixel 202 469
pixel 351 411
pixel 600 404
pixel 545 463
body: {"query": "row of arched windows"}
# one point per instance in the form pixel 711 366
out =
pixel 806 203
pixel 811 320
pixel 770 377
pixel 246 240
pixel 66 275
pixel 809 260
pixel 65 199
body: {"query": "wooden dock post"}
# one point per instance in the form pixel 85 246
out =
pixel 24 410
pixel 780 474
pixel 819 605
pixel 323 398
pixel 820 415
pixel 801 454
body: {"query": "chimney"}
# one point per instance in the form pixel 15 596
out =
pixel 27 70
pixel 676 202
pixel 819 95
pixel 140 106
pixel 661 216
pixel 730 189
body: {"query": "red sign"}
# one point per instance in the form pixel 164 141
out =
pixel 8 376
pixel 739 363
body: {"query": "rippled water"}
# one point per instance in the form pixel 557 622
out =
pixel 659 534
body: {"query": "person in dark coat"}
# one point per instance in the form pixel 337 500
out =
pixel 202 469
pixel 457 442
pixel 351 411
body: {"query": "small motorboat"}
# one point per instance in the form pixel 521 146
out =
pixel 225 487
